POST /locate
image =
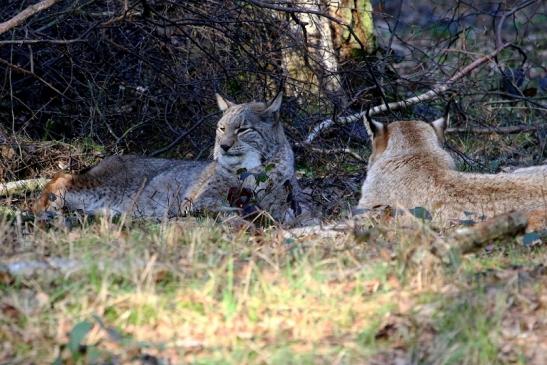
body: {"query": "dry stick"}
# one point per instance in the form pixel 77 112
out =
pixel 181 136
pixel 27 72
pixel 347 151
pixel 431 94
pixel 37 41
pixel 498 130
pixel 470 239
pixel 25 14
pixel 53 267
pixel 493 130
pixel 22 187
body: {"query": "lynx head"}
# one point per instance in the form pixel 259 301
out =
pixel 248 134
pixel 407 138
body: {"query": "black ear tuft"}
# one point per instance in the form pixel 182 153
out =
pixel 374 128
pixel 447 111
pixel 440 125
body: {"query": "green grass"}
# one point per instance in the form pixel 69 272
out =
pixel 198 292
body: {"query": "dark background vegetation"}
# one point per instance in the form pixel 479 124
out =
pixel 88 78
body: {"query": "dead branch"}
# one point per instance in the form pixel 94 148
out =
pixel 347 151
pixel 470 239
pixel 507 14
pixel 322 231
pixel 25 14
pixel 492 130
pixel 38 41
pixel 431 94
pixel 27 72
pixel 21 187
pixel 54 267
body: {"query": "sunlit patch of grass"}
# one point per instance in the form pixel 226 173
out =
pixel 195 291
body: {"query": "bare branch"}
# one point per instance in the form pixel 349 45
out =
pixel 27 72
pixel 507 14
pixel 498 130
pixel 21 187
pixel 470 239
pixel 431 94
pixel 25 14
pixel 37 41
pixel 347 151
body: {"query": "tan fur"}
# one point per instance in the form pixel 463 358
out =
pixel 412 170
pixel 253 140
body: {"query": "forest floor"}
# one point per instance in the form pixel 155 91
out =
pixel 197 291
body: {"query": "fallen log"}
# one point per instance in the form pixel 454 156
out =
pixel 22 187
pixel 467 240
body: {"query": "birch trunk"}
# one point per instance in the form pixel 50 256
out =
pixel 328 44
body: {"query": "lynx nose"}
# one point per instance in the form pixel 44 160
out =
pixel 225 147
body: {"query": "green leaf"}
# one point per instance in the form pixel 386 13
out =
pixel 261 177
pixel 421 213
pixel 77 335
pixel 269 167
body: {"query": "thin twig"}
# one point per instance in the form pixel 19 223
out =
pixel 36 41
pixel 347 151
pixel 180 137
pixel 498 130
pixel 507 14
pixel 27 72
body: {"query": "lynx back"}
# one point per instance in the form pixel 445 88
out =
pixel 409 168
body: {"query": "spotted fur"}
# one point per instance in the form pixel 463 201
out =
pixel 249 141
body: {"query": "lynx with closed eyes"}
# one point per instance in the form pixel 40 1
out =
pixel 250 142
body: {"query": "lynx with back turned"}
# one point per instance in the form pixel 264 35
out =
pixel 250 143
pixel 409 168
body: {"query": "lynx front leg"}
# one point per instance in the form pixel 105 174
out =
pixel 204 201
pixel 52 197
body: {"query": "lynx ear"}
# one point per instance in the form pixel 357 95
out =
pixel 223 103
pixel 374 128
pixel 275 105
pixel 378 134
pixel 440 125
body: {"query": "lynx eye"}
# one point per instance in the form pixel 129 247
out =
pixel 243 130
pixel 222 129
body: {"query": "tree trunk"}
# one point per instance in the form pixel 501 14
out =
pixel 344 33
pixel 357 14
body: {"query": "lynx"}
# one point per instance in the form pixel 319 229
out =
pixel 251 155
pixel 409 168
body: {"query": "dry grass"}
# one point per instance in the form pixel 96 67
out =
pixel 197 292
